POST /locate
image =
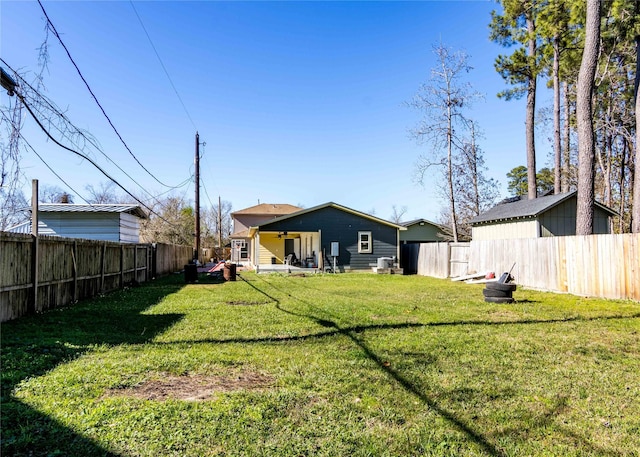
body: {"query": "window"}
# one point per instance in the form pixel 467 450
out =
pixel 365 243
pixel 239 250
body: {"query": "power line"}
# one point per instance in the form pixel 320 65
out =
pixel 53 28
pixel 41 98
pixel 182 184
pixel 205 157
pixel 52 170
pixel 44 100
pixel 202 156
pixel 51 106
pixel 91 161
pixel 162 65
pixel 207 194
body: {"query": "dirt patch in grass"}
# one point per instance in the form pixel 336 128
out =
pixel 192 387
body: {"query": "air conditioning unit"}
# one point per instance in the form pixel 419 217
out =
pixel 385 262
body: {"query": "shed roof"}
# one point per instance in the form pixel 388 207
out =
pixel 527 208
pixel 95 208
pixel 268 209
pixel 419 221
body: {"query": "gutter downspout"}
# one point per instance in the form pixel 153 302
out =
pixel 398 246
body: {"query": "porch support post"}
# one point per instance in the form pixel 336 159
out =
pixel 256 248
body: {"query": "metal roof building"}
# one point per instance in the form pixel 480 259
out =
pixel 108 222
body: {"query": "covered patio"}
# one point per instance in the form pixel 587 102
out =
pixel 286 251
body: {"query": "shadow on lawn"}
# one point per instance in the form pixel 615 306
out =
pixel 484 441
pixel 34 345
pixel 351 333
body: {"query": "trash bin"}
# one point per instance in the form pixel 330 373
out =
pixel 191 272
pixel 229 272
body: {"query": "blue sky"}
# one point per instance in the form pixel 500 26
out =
pixel 298 102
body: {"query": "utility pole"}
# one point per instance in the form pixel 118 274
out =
pixel 220 226
pixel 197 209
pixel 32 306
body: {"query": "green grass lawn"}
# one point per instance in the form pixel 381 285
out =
pixel 334 365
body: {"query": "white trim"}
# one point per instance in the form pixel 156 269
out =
pixel 369 242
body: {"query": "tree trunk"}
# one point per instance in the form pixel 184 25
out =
pixel 474 171
pixel 635 209
pixel 452 200
pixel 557 170
pixel 531 114
pixel 566 166
pixel 621 203
pixel 586 146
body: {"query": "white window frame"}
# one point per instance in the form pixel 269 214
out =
pixel 369 242
pixel 240 251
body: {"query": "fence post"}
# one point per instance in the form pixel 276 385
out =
pixel 33 303
pixel 154 260
pixel 148 264
pixel 135 263
pixel 102 267
pixel 74 257
pixel 122 266
pixel 32 306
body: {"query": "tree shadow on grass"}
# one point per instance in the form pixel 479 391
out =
pixel 35 345
pixel 352 334
pixel 483 440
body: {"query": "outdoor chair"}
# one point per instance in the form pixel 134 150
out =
pixel 291 259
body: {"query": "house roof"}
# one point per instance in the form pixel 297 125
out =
pixel 95 208
pixel 274 209
pixel 527 208
pixel 418 221
pixel 327 205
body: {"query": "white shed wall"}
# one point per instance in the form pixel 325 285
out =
pixel 129 228
pixel 91 226
pixel 506 230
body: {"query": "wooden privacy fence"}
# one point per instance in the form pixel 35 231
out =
pixel 596 265
pixel 605 266
pixel 67 270
pixel 170 257
pixel 443 260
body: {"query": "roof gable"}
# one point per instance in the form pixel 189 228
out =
pixel 336 206
pixel 421 222
pixel 270 209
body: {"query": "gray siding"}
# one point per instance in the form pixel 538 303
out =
pixel 343 227
pixel 417 233
pixel 601 222
pixel 561 220
pixel 92 226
